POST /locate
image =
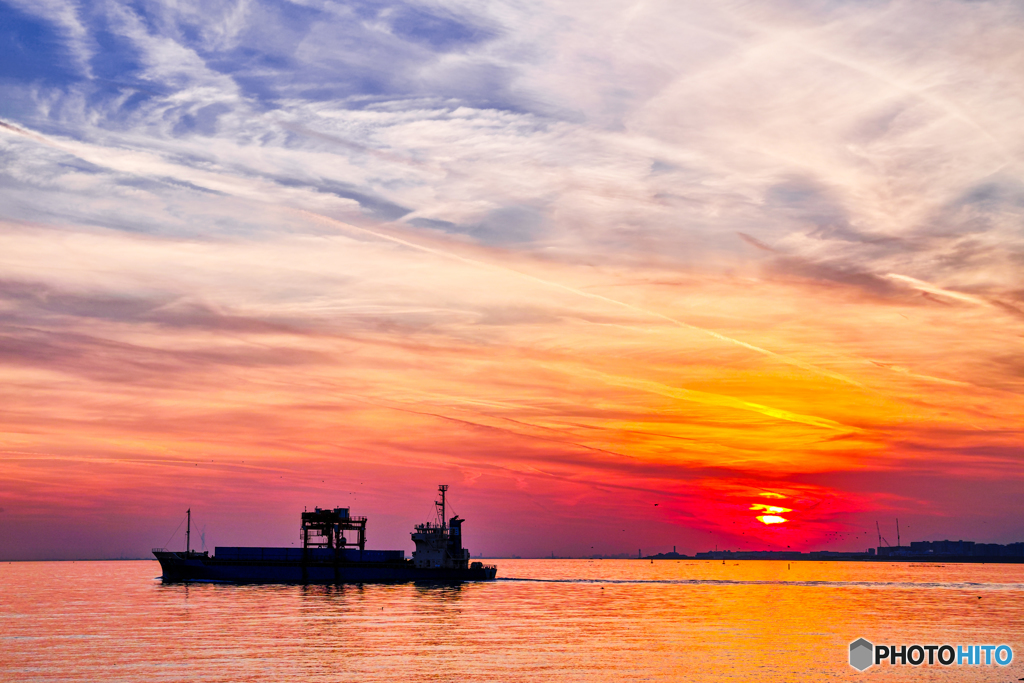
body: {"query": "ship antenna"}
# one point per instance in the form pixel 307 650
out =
pixel 188 531
pixel 442 488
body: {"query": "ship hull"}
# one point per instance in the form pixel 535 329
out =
pixel 179 567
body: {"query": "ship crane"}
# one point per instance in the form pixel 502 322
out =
pixel 325 528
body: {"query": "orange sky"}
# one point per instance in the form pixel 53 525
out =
pixel 565 397
pixel 640 297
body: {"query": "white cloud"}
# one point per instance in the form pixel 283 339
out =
pixel 851 135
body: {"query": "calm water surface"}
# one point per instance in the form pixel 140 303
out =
pixel 546 620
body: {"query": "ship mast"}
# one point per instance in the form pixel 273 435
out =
pixel 440 504
pixel 188 531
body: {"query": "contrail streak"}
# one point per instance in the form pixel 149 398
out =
pixel 719 400
pixel 928 287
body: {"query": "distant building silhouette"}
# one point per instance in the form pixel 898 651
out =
pixel 947 548
pixel 952 551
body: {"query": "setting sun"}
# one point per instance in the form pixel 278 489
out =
pixel 771 509
pixel 772 519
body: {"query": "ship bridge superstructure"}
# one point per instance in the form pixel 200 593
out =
pixel 439 544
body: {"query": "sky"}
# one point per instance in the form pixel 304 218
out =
pixel 627 276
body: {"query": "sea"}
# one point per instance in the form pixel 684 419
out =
pixel 542 620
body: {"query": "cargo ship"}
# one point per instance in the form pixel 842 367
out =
pixel 334 551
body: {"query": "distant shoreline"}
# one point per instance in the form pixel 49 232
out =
pixel 90 559
pixel 870 560
pixel 832 556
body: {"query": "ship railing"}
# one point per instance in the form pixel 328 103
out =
pixel 160 550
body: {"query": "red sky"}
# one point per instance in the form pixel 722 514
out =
pixel 624 278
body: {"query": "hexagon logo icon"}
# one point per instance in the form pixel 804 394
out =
pixel 861 654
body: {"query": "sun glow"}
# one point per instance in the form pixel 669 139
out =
pixel 771 509
pixel 771 519
pixel 773 515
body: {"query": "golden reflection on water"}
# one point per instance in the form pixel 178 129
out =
pixel 548 620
